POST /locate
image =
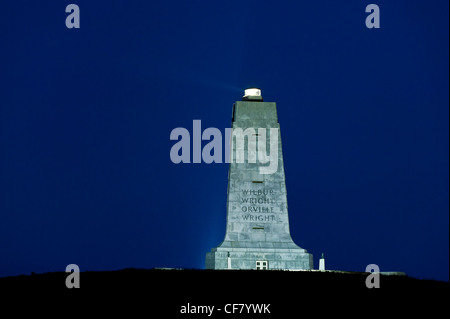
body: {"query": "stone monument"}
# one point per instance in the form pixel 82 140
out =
pixel 257 232
pixel 322 263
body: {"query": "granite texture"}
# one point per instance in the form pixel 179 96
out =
pixel 257 211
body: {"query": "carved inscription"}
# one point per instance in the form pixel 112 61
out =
pixel 257 205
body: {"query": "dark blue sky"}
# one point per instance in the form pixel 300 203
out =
pixel 86 114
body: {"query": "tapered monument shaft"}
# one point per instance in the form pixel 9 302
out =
pixel 257 231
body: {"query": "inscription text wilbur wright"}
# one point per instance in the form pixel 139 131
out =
pixel 257 205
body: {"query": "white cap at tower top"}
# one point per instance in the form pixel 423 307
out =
pixel 252 92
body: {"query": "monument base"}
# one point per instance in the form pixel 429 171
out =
pixel 259 258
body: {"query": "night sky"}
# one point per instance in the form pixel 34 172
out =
pixel 86 116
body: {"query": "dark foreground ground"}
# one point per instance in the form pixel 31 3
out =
pixel 157 293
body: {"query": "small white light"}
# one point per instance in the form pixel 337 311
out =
pixel 252 92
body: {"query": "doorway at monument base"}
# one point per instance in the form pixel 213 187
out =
pixel 259 258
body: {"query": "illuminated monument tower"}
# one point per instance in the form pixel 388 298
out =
pixel 257 234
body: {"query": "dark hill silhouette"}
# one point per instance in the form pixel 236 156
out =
pixel 288 293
